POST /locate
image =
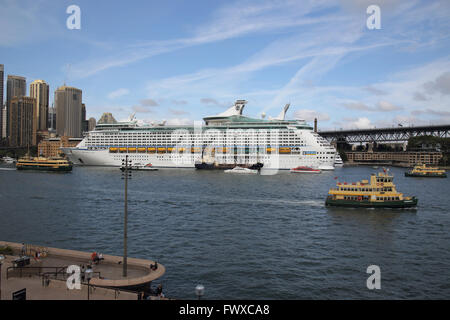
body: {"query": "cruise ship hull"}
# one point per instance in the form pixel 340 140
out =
pixel 168 160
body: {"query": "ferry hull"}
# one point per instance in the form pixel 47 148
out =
pixel 45 168
pixel 372 204
pixel 428 175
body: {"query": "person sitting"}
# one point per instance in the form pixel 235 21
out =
pixel 159 292
pixel 94 257
pixel 154 266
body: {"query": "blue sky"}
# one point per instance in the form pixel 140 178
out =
pixel 182 60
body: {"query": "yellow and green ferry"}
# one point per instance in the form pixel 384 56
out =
pixel 44 164
pixel 421 170
pixel 379 192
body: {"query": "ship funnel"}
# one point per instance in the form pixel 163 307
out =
pixel 239 106
pixel 283 112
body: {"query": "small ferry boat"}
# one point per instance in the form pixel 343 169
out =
pixel 44 164
pixel 241 170
pixel 305 170
pixel 379 192
pixel 140 166
pixel 421 170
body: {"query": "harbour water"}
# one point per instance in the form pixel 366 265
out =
pixel 242 237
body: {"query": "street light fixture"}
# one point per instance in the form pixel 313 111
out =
pixel 125 175
pixel 2 258
pixel 88 277
pixel 199 291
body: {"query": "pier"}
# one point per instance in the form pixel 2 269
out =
pixel 46 277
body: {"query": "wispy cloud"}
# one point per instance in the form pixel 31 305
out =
pixel 118 93
pixel 234 20
pixel 149 103
pixel 310 115
pixel 381 106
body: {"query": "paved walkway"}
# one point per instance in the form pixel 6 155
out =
pixel 108 273
pixel 56 290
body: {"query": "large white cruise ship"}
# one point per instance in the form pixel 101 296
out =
pixel 225 138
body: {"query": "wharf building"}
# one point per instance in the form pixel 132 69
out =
pixel 405 158
pixel 50 147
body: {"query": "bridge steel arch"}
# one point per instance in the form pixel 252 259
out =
pixel 396 134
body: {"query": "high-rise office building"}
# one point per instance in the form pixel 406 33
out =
pixel 39 89
pixel 2 77
pixel 51 125
pixel 84 122
pixel 4 117
pixel 22 123
pixel 92 124
pixel 68 111
pixel 16 86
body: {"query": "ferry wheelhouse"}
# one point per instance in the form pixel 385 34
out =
pixel 226 138
pixel 379 192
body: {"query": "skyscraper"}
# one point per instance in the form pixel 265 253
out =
pixel 3 132
pixel 84 122
pixel 68 111
pixel 39 89
pixel 22 124
pixel 2 76
pixel 51 118
pixel 16 86
pixel 92 124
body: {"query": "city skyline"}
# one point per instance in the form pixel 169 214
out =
pixel 181 62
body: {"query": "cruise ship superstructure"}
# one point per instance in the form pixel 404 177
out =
pixel 228 137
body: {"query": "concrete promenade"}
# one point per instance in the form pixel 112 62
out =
pixel 107 282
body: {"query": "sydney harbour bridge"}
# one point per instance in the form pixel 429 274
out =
pixel 385 135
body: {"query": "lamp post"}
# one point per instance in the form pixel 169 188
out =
pixel 199 291
pixel 126 174
pixel 2 258
pixel 88 277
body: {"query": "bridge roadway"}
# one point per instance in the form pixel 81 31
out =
pixel 394 134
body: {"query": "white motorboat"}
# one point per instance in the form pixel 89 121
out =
pixel 9 160
pixel 241 170
pixel 338 160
